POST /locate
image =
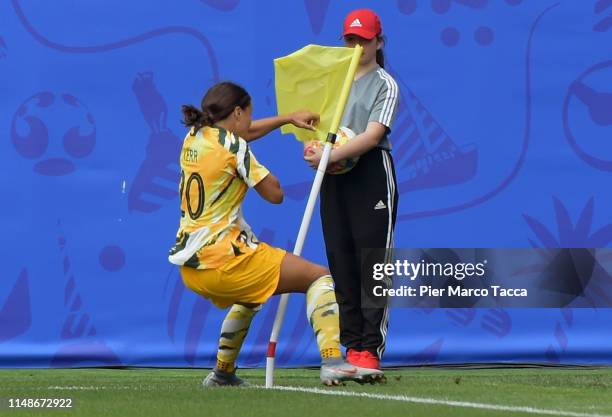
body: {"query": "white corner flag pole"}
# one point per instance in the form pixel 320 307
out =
pixel 312 199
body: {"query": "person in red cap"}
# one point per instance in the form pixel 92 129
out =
pixel 358 208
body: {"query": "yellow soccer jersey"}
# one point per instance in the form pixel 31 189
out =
pixel 217 168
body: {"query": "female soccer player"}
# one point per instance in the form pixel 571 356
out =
pixel 219 255
pixel 358 208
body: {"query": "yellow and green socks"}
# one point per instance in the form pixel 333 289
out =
pixel 233 331
pixel 322 313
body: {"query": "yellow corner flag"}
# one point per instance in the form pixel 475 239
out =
pixel 311 79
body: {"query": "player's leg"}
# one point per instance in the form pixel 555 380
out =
pixel 233 331
pixel 300 275
pixel 244 298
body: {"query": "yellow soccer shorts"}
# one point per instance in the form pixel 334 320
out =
pixel 250 279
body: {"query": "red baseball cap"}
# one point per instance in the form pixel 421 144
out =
pixel 362 22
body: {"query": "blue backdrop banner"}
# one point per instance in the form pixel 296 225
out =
pixel 503 140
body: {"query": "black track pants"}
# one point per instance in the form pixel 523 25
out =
pixel 358 211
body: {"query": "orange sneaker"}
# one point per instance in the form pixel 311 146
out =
pixel 368 360
pixel 353 356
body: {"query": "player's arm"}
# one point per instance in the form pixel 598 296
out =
pixel 302 119
pixel 257 176
pixel 270 189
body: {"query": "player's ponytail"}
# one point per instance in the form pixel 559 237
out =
pixel 218 103
pixel 192 117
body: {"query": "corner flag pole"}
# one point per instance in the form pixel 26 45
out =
pixel 312 199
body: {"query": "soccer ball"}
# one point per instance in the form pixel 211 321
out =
pixel 343 135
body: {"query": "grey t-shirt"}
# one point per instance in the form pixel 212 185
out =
pixel 373 98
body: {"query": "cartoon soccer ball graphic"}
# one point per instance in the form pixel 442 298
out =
pixel 344 134
pixel 587 116
pixel 53 129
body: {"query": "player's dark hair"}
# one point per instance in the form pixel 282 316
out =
pixel 380 55
pixel 218 103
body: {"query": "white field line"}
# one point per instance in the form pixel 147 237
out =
pixel 433 401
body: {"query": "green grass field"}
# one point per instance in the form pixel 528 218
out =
pixel 412 391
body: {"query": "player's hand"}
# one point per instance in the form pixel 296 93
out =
pixel 304 119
